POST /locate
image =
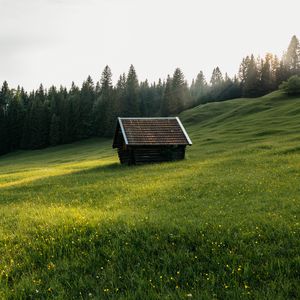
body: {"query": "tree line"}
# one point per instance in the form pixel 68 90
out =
pixel 49 117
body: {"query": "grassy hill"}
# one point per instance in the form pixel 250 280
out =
pixel 224 223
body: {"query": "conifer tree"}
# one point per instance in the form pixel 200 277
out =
pixel 3 132
pixel 131 98
pixel 216 78
pixel 3 127
pixel 4 99
pixel 106 99
pixel 166 104
pixel 157 95
pixel 251 78
pixel 15 121
pixel 266 74
pixel 26 133
pixel 179 93
pixel 87 99
pixel 120 95
pixel 217 82
pixel 54 135
pixel 275 65
pixel 64 120
pixel 199 88
pixel 74 113
pixel 102 113
pixel 38 124
pixel 292 57
pixel 145 96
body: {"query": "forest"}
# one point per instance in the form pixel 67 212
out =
pixel 49 117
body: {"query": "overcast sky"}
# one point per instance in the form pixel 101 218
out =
pixel 60 41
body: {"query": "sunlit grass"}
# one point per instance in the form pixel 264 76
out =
pixel 224 223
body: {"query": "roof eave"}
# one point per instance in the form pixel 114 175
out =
pixel 162 144
pixel 123 131
pixel 184 131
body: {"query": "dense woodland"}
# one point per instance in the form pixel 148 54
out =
pixel 48 117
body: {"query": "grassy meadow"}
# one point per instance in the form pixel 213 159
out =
pixel 222 224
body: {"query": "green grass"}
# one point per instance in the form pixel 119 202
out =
pixel 222 224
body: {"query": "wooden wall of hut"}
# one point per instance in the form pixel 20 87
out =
pixel 150 154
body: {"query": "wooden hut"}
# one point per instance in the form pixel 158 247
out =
pixel 147 140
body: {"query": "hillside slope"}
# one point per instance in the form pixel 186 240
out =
pixel 224 223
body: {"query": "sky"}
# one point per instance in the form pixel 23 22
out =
pixel 55 42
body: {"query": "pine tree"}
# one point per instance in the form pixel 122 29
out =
pixel 15 121
pixel 54 135
pixel 4 99
pixel 64 120
pixel 38 123
pixel 275 65
pixel 216 78
pixel 5 95
pixel 107 101
pixel 157 96
pixel 26 131
pixel 166 104
pixel 102 110
pixel 229 89
pixel 53 99
pixel 146 98
pixel 199 88
pixel 74 113
pixel 282 73
pixel 98 114
pixel 120 95
pixel 3 132
pixel 250 77
pixel 292 57
pixel 179 92
pixel 266 74
pixel 131 108
pixel 217 83
pixel 87 99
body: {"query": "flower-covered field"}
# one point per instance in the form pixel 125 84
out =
pixel 224 223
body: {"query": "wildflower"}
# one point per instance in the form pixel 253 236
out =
pixel 51 266
pixel 189 295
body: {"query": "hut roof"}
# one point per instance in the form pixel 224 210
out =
pixel 152 131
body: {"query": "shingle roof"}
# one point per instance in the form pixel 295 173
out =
pixel 153 131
